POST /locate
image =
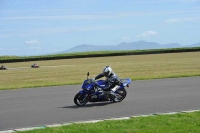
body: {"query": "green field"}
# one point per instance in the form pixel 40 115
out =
pixel 177 123
pixel 73 71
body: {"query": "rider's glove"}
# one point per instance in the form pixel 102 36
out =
pixel 93 79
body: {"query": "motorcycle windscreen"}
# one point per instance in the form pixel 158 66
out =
pixel 86 85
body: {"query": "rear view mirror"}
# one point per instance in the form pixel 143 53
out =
pixel 88 74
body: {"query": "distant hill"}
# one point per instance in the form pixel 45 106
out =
pixel 85 48
pixel 194 45
pixel 140 45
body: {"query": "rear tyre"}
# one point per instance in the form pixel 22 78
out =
pixel 120 95
pixel 81 99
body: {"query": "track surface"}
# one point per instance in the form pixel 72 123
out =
pixel 50 105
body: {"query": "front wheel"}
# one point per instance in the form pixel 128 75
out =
pixel 81 99
pixel 120 95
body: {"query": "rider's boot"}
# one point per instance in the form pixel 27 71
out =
pixel 112 92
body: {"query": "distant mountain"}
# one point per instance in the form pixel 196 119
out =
pixel 85 48
pixel 140 45
pixel 194 45
pixel 172 45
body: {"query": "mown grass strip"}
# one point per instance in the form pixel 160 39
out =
pixel 176 123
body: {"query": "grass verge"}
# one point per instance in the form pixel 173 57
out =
pixel 73 71
pixel 176 123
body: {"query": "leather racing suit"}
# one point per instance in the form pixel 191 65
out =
pixel 112 80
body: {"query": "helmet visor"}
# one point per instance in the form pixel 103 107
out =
pixel 106 73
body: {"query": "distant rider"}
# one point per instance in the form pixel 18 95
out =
pixel 2 67
pixel 111 78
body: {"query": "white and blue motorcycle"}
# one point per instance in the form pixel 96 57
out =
pixel 92 91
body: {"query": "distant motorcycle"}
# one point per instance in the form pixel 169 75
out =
pixel 92 91
pixel 3 67
pixel 35 66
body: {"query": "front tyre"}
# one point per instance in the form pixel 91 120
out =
pixel 120 95
pixel 81 99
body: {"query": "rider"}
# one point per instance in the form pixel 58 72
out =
pixel 111 78
pixel 2 67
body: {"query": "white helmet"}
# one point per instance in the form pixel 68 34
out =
pixel 107 71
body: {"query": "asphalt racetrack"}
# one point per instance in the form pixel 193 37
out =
pixel 51 105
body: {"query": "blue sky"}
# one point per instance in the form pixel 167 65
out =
pixel 35 27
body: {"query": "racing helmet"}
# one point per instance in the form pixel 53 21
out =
pixel 107 71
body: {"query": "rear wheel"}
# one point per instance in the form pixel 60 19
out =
pixel 120 95
pixel 81 99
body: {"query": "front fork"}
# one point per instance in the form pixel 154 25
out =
pixel 84 93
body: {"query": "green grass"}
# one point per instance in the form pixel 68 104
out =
pixel 177 123
pixel 73 71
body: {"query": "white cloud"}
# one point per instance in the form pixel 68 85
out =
pixel 147 34
pixel 33 42
pixel 178 20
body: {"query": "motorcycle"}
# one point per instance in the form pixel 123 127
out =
pixel 35 66
pixel 92 91
pixel 3 67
